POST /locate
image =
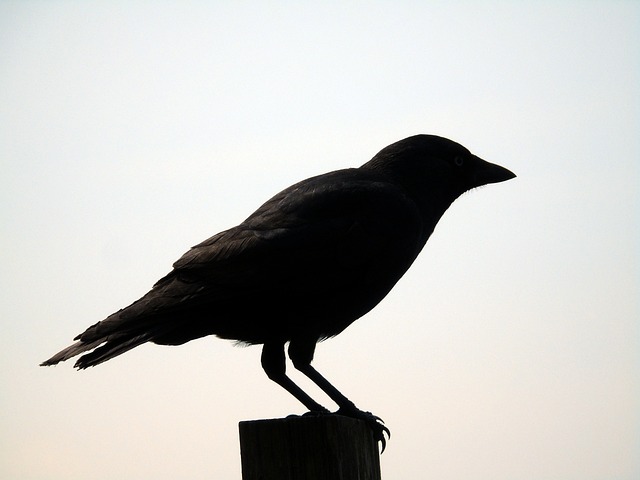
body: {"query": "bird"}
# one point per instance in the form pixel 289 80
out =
pixel 305 265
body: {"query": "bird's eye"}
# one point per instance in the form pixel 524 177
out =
pixel 458 161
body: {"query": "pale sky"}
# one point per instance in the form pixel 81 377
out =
pixel 131 130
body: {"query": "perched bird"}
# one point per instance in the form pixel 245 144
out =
pixel 305 265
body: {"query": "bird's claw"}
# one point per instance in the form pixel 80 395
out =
pixel 375 423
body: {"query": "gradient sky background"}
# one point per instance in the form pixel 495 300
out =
pixel 130 131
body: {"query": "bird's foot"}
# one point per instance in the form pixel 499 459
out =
pixel 375 423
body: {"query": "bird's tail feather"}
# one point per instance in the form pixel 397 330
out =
pixel 71 351
pixel 108 347
pixel 112 348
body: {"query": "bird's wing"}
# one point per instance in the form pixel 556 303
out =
pixel 316 228
pixel 325 233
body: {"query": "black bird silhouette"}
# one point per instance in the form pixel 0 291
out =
pixel 303 267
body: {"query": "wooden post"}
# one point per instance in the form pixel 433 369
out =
pixel 323 447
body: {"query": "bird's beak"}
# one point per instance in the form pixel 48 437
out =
pixel 486 173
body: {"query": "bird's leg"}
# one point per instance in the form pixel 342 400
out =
pixel 273 363
pixel 301 354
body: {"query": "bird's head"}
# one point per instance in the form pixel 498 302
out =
pixel 434 169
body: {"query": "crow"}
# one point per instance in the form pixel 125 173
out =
pixel 305 265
